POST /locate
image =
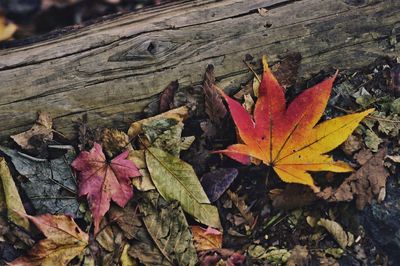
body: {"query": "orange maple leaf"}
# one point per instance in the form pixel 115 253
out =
pixel 289 139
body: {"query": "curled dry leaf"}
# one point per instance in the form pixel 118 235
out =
pixel 343 238
pixel 176 180
pixel 143 182
pixel 34 140
pixel 205 239
pixel 289 139
pixel 242 207
pixel 179 114
pixel 64 241
pixel 368 182
pixel 214 106
pixel 220 257
pixel 167 96
pixel 9 194
pixel 298 256
pixel 114 141
pixel 102 181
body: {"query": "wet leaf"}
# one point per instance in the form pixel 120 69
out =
pixel 9 194
pixel 289 139
pixel 343 238
pixel 64 241
pixel 102 182
pixel 367 183
pixel 176 180
pixel 166 223
pixel 51 184
pixel 205 239
pixel 167 96
pixel 216 182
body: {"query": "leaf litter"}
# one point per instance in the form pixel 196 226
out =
pixel 286 191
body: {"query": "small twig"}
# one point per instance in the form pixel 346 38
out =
pixel 252 70
pixel 32 158
pixel 61 147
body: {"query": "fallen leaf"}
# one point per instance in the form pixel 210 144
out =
pixel 166 223
pixel 125 259
pixel 289 140
pixel 363 156
pixel 143 182
pixel 167 96
pixel 242 207
pixel 12 200
pixel 179 114
pixel 394 158
pixel 50 185
pixel 221 257
pixel 216 182
pixel 176 180
pixel 7 29
pixel 192 98
pixel 352 144
pixel 205 239
pixel 334 252
pixel 102 181
pixel 372 140
pixel 368 182
pixel 114 141
pixel 272 255
pixel 343 238
pixel 35 140
pixel 248 103
pixel 214 107
pixel 298 256
pixel 262 11
pixel 64 241
pixel 284 199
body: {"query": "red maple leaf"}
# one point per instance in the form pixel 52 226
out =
pixel 104 181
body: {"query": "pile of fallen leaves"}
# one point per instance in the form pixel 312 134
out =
pixel 209 179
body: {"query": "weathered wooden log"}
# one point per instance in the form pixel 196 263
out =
pixel 113 68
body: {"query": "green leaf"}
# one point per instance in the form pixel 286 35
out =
pixel 9 193
pixel 167 225
pixel 176 180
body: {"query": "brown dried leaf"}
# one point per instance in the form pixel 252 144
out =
pixel 215 108
pixel 284 199
pixel 287 69
pixel 363 156
pixel 242 207
pixel 343 238
pixel 367 183
pixel 179 114
pixel 205 239
pixel 298 256
pixel 167 96
pixel 352 144
pixel 34 140
pixel 114 142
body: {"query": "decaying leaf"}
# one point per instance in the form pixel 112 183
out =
pixel 64 241
pixel 222 256
pixel 298 256
pixel 214 106
pixel 166 223
pixel 35 140
pixel 102 181
pixel 372 140
pixel 272 255
pixel 176 180
pixel 143 182
pixel 50 185
pixel 343 238
pixel 125 259
pixel 9 194
pixel 352 144
pixel 7 29
pixel 242 207
pixel 368 182
pixel 289 139
pixel 216 182
pixel 284 199
pixel 205 239
pixel 167 96
pixel 114 142
pixel 179 114
pixel 287 68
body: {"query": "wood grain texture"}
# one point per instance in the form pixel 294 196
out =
pixel 114 68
